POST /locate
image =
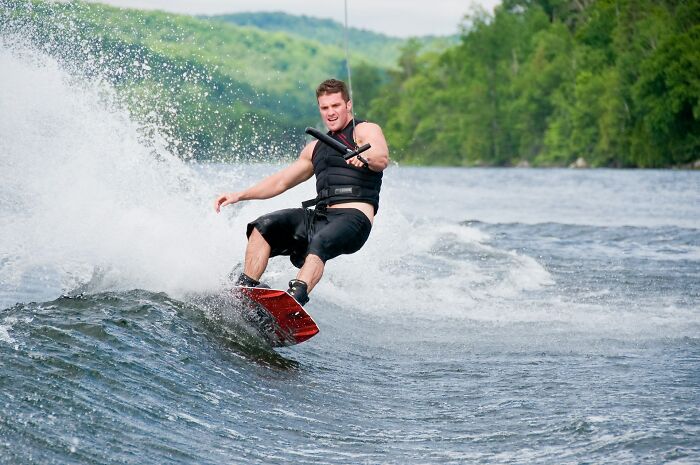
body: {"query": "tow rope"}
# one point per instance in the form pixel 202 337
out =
pixel 347 67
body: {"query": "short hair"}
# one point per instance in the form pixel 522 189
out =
pixel 333 86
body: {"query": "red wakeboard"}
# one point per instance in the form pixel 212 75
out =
pixel 284 321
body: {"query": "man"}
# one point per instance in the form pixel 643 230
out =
pixel 347 201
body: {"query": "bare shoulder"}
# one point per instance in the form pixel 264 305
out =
pixel 368 127
pixel 372 133
pixel 308 151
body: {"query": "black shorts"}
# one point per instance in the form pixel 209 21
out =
pixel 325 232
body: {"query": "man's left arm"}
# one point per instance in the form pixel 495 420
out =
pixel 378 155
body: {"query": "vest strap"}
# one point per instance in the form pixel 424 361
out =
pixel 345 191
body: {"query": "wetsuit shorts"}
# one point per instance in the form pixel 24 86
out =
pixel 324 232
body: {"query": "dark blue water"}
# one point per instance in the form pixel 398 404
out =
pixel 495 316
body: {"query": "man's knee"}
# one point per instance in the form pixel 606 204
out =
pixel 314 259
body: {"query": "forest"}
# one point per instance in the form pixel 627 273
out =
pixel 610 83
pixel 546 82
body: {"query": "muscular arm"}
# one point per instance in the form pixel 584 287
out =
pixel 378 156
pixel 283 180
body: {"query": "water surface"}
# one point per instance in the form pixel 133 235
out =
pixel 495 316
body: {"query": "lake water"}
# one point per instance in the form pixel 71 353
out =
pixel 494 316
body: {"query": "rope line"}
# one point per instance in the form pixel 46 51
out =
pixel 347 66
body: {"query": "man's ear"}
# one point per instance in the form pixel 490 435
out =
pixel 349 106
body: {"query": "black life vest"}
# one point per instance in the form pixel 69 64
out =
pixel 339 182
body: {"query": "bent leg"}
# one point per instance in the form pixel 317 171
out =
pixel 312 271
pixel 257 254
pixel 345 233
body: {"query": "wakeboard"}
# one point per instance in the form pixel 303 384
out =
pixel 278 315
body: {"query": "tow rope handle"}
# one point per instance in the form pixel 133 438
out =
pixel 345 151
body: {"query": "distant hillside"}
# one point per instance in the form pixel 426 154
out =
pixel 216 89
pixel 376 48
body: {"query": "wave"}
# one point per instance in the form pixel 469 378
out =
pixel 676 242
pixel 121 324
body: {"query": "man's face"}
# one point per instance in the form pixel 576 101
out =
pixel 335 111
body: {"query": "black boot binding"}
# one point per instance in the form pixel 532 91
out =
pixel 247 281
pixel 298 290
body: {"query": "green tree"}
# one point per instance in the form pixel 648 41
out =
pixel 613 81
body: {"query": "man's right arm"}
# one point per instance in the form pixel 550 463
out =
pixel 283 180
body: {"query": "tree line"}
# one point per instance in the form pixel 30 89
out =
pixel 545 82
pixel 538 82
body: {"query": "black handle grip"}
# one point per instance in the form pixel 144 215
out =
pixel 328 140
pixel 357 151
pixel 338 146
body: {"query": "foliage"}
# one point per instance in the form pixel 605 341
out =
pixel 375 48
pixel 542 82
pixel 615 82
pixel 215 90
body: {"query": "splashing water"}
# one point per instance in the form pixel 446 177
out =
pixel 81 191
